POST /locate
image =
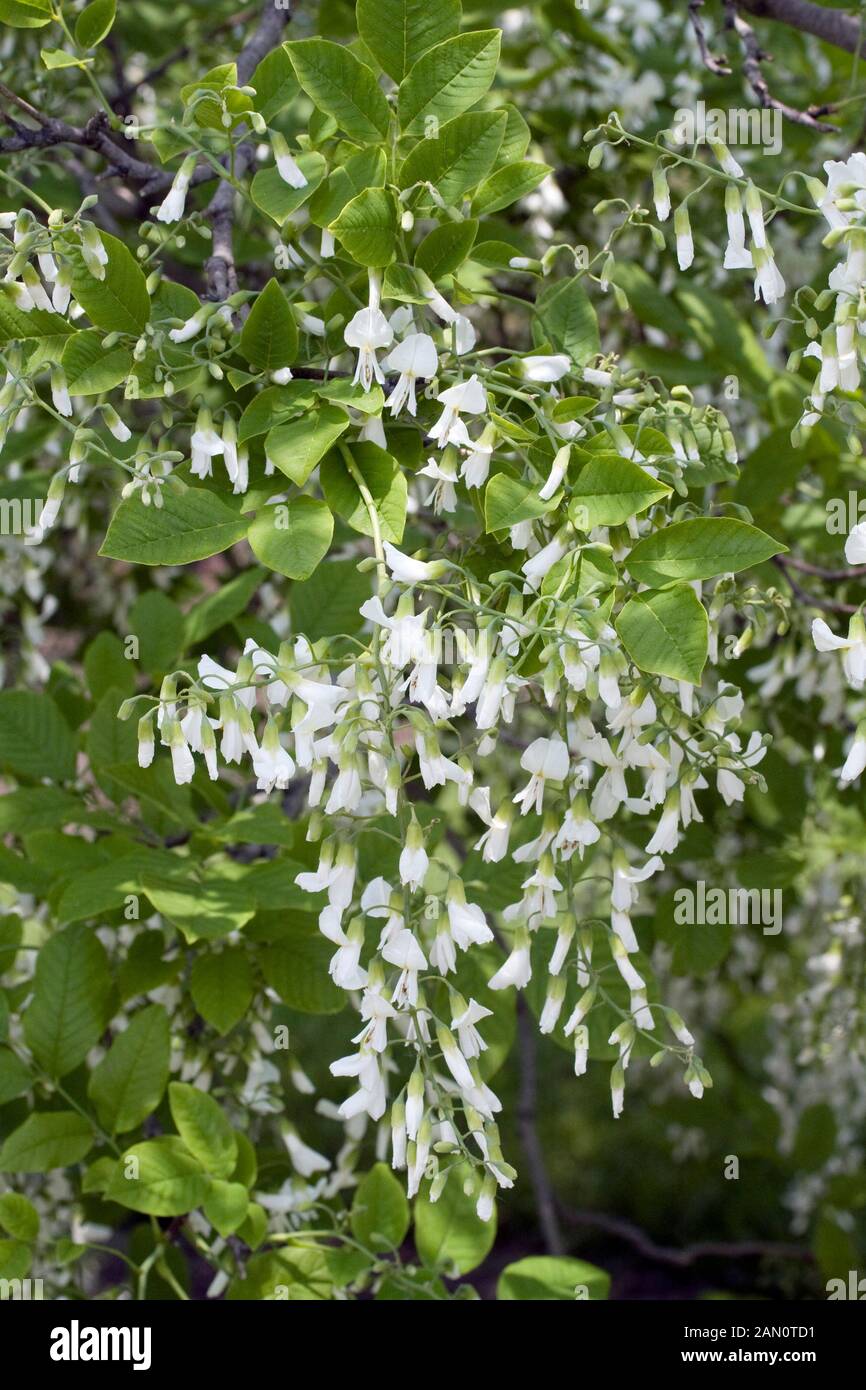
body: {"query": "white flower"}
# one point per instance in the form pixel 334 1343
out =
pixel 683 232
pixel 304 1159
pixel 469 397
pixel 172 206
pixel 471 1042
pixel 546 759
pixel 667 834
pixel 856 759
pixel 543 368
pixel 413 857
pixel 542 562
pixel 557 472
pixel 405 570
pixel 517 969
pixel 369 331
pixel 854 647
pixel 855 545
pixel 272 764
pixel 769 284
pixel 415 357
pixel 287 167
pixel 443 494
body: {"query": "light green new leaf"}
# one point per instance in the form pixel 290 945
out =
pixel 119 302
pixel 449 1234
pixel 366 169
pixel 342 87
pixel 384 479
pixel 222 987
pixel 201 911
pixel 189 526
pixel 398 32
pixel 446 248
pixel 610 489
pixel 270 192
pixel 507 185
pixel 224 604
pixel 274 406
pixel 507 502
pixel 553 1278
pixel 89 368
pixel 18 1217
pixel 55 1139
pixel 127 1085
pixel 275 83
pixel 25 14
pixel 204 1128
pixel 94 22
pixel 297 447
pixel 160 1178
pixel 226 1206
pixel 292 537
pixel 448 79
pixel 269 339
pixel 700 549
pixel 666 632
pixel 70 1005
pixel 367 227
pixel 35 739
pixel 458 156
pixel 380 1212
pixel 565 318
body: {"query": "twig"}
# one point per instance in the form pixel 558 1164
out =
pixel 753 57
pixel 690 1254
pixel 526 1126
pixel 717 66
pixel 832 605
pixel 833 26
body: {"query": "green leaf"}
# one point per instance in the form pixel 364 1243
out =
pixel 448 1233
pixel 18 1217
pixel 270 192
pixel 127 1085
pixel 507 185
pixel 380 1212
pixel 367 227
pixel 458 156
pixel 25 14
pixel 446 248
pixel 89 368
pixel 55 1139
pixel 292 537
pixel 269 339
pixel 448 79
pixel 610 489
pixel 297 968
pixel 225 603
pixel 342 87
pixel 700 549
pixel 18 326
pixel 297 447
pixel 16 1258
pixel 565 318
pixel 14 1077
pixel 55 58
pixel 328 604
pixel 226 1206
pixel 274 406
pixel 189 526
pixel 37 808
pixel 119 302
pixel 94 22
pixel 363 170
pixel 204 1128
pixel 200 910
pixel 384 479
pixel 275 83
pixel 554 1278
pixel 666 632
pixel 507 502
pixel 399 32
pixel 164 1179
pixel 69 1009
pixel 106 667
pixel 159 626
pixel 221 986
pixel 35 739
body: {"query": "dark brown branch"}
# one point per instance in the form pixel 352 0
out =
pixel 753 58
pixel 717 66
pixel 833 26
pixel 690 1254
pixel 526 1125
pixel 813 600
pixel 220 272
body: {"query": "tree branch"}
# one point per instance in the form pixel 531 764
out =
pixel 833 26
pixel 682 1259
pixel 220 272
